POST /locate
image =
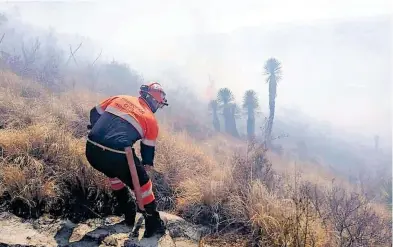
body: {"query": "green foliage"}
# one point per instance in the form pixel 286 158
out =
pixel 250 100
pixel 225 99
pixel 225 96
pixel 273 70
pixel 250 103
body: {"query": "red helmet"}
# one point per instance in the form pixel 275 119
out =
pixel 155 91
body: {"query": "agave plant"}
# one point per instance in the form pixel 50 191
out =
pixel 274 73
pixel 250 104
pixel 213 106
pixel 226 100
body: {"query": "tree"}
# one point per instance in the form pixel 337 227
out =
pixel 273 71
pixel 250 103
pixel 226 100
pixel 213 106
pixel 235 112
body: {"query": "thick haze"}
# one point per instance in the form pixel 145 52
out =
pixel 336 62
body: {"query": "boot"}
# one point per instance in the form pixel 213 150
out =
pixel 127 205
pixel 153 223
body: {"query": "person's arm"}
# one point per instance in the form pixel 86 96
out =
pixel 148 144
pixel 94 116
pixel 97 111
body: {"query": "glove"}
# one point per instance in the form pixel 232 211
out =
pixel 146 164
pixel 89 127
pixel 148 167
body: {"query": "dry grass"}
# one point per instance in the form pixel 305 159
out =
pixel 39 164
pixel 217 182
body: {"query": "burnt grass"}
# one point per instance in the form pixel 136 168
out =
pixel 76 205
pixel 79 203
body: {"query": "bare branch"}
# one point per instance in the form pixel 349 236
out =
pixel 34 50
pixel 72 53
pixel 37 46
pixel 78 48
pixel 99 55
pixel 30 56
pixel 24 51
pixel 2 37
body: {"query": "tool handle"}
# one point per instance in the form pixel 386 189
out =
pixel 134 176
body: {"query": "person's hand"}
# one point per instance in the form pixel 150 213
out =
pixel 148 168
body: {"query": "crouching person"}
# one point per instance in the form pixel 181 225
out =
pixel 115 125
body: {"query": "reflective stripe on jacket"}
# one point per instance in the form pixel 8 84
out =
pixel 136 112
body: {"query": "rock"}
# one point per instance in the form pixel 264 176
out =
pixel 15 232
pixel 162 241
pixel 178 228
pixel 15 245
pixel 111 240
pixel 95 232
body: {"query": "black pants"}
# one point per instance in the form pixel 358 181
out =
pixel 115 165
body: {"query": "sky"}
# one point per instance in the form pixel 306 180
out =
pixel 230 42
pixel 152 18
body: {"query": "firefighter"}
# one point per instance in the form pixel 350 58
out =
pixel 115 124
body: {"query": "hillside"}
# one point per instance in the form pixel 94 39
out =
pixel 315 188
pixel 213 182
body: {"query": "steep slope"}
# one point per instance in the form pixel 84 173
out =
pixel 229 188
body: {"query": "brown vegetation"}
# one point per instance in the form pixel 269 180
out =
pixel 235 190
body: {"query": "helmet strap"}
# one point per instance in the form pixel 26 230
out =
pixel 150 101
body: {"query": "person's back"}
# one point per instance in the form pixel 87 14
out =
pixel 115 125
pixel 117 129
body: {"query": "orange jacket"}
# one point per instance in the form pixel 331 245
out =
pixel 135 111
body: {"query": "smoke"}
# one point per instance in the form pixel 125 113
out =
pixel 326 47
